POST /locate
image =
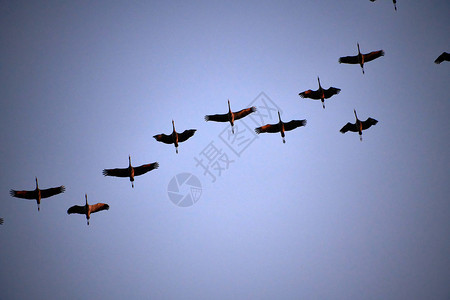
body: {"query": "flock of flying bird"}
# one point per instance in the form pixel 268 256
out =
pixel 176 138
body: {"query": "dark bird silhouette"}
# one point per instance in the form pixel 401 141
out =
pixel 230 116
pixel 131 171
pixel 280 127
pixel 361 58
pixel 320 94
pixel 394 1
pixel 358 126
pixel 87 209
pixel 37 194
pixel 175 137
pixel 443 57
pixel 1 221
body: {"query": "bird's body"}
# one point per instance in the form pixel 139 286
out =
pixel 443 57
pixel 87 209
pixel 230 116
pixel 175 137
pixel 37 194
pixel 358 126
pixel 320 94
pixel 280 127
pixel 394 1
pixel 131 171
pixel 361 58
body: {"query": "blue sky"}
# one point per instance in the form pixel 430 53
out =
pixel 323 216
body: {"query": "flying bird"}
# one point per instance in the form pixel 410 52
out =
pixel 87 209
pixel 361 58
pixel 443 57
pixel 280 127
pixel 38 194
pixel 320 94
pixel 131 171
pixel 230 116
pixel 1 221
pixel 175 137
pixel 394 1
pixel 358 126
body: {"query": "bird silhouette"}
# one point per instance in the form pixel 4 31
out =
pixel 320 94
pixel 361 58
pixel 358 126
pixel 87 209
pixel 443 57
pixel 394 1
pixel 37 194
pixel 175 137
pixel 130 171
pixel 1 221
pixel 230 116
pixel 280 127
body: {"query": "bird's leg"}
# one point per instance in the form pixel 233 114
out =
pixel 232 129
pixel 284 141
pixel 323 104
pixel 176 150
pixel 39 207
pixel 360 137
pixel 132 184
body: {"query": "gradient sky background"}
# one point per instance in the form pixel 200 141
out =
pixel 85 84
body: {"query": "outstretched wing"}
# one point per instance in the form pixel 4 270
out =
pixel 442 57
pixel 244 112
pixel 145 168
pixel 369 122
pixel 349 127
pixel 310 94
pixel 52 191
pixel 167 139
pixel 331 91
pixel 270 128
pixel 23 194
pixel 294 124
pixel 116 172
pixel 98 207
pixel 349 60
pixel 186 135
pixel 217 118
pixel 373 55
pixel 77 209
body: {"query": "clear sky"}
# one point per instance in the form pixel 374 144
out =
pixel 324 216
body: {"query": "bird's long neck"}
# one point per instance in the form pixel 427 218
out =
pixel 229 106
pixel 87 204
pixel 359 52
pixel 356 116
pixel 37 185
pixel 129 161
pixel 318 79
pixel 279 118
pixel 173 126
